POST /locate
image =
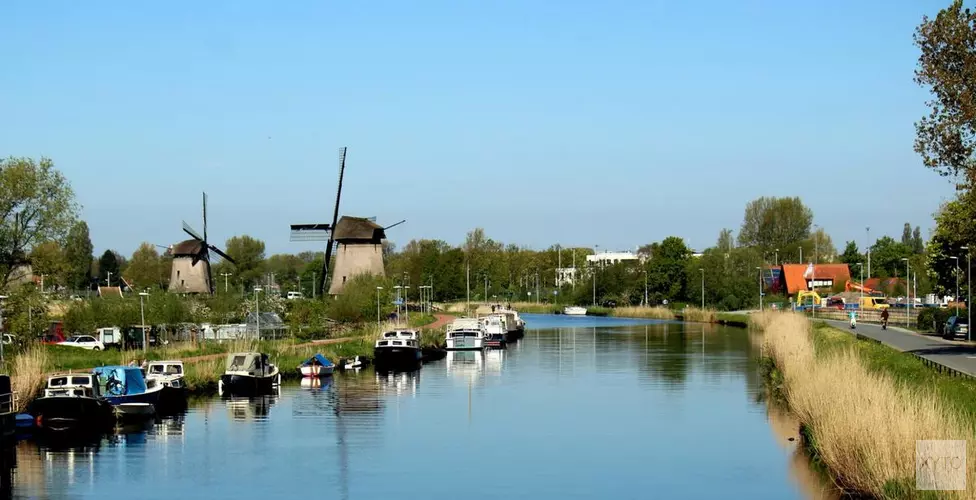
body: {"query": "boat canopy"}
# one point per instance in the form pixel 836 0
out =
pixel 120 380
pixel 317 359
pixel 250 362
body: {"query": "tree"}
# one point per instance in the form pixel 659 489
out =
pixel 286 268
pixel 906 235
pixel 946 137
pixel 145 270
pixel 726 241
pixel 248 255
pixel 851 255
pixel 822 246
pixel 48 260
pixel 770 223
pixel 666 269
pixel 886 257
pixel 953 230
pixel 78 256
pixel 917 244
pixel 108 266
pixel 37 204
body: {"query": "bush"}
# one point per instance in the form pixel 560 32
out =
pixel 357 302
pixel 933 319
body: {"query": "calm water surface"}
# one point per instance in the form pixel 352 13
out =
pixel 580 408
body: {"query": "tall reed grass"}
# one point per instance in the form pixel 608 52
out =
pixel 861 424
pixel 656 312
pixel 29 373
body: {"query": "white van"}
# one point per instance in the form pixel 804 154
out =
pixel 295 295
pixel 110 336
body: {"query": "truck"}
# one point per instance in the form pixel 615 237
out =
pixel 877 303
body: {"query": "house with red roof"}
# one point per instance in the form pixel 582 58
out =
pixel 798 277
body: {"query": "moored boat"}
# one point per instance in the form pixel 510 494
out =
pixel 353 363
pixel 249 374
pixel 126 384
pixel 495 330
pixel 514 324
pixel 8 408
pixel 71 401
pixel 397 350
pixel 129 412
pixel 316 366
pixel 168 375
pixel 574 311
pixel 465 334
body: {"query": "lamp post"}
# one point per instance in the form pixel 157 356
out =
pixel 760 289
pixel 378 305
pixel 703 286
pixel 142 313
pixel 969 291
pixel 861 267
pixel 397 300
pixel 225 275
pixel 867 231
pixel 406 303
pixel 645 288
pixel 908 293
pixel 957 285
pixel 257 309
pixel 777 257
pixel 108 279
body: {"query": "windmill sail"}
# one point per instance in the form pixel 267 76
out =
pixel 335 220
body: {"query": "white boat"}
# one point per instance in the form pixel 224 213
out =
pixel 465 334
pixel 397 350
pixel 249 374
pixel 134 411
pixel 316 366
pixel 166 373
pixel 496 331
pixel 574 311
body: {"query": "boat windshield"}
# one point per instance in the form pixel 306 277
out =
pixel 156 369
pixel 80 380
pixel 174 370
pixel 58 381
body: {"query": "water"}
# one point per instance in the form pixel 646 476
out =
pixel 580 408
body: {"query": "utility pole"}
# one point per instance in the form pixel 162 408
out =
pixel 867 230
pixel 467 274
pixel 703 286
pixel 574 269
pixel 313 284
pixel 225 275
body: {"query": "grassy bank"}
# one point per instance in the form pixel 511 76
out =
pixel 862 408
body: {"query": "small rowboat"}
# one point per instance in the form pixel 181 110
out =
pixel 316 366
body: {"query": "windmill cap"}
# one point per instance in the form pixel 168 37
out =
pixel 358 228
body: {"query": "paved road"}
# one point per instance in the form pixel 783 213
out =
pixel 955 355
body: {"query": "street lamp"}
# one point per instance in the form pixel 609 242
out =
pixel 406 303
pixel 777 257
pixel 957 285
pixel 257 309
pixel 969 291
pixel 108 279
pixel 703 286
pixel 860 266
pixel 397 288
pixel 760 289
pixel 378 305
pixel 908 293
pixel 645 288
pixel 142 312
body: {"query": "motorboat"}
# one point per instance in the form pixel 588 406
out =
pixel 514 324
pixel 496 332
pixel 353 363
pixel 249 374
pixel 465 334
pixel 169 375
pixel 125 385
pixel 8 408
pixel 574 311
pixel 127 412
pixel 397 350
pixel 71 401
pixel 316 366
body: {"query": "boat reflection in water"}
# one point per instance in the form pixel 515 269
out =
pixel 250 408
pixel 465 365
pixel 398 383
pixel 316 383
pixel 494 359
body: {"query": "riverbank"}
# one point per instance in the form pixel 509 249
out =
pixel 862 405
pixel 687 314
pixel 204 361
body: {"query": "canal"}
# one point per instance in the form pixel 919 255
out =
pixel 580 408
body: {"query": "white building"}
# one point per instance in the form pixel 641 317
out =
pixel 565 276
pixel 610 258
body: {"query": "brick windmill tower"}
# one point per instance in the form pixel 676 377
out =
pixel 191 272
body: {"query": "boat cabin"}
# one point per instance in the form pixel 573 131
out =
pixel 73 385
pixel 168 373
pixel 254 364
pixel 8 401
pixel 399 338
pixel 465 327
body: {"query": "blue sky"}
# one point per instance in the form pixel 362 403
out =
pixel 614 123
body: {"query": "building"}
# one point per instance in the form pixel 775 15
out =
pixel 611 258
pixel 796 277
pixel 359 250
pixel 565 276
pixel 190 272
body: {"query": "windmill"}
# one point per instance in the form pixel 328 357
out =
pixel 319 232
pixel 191 271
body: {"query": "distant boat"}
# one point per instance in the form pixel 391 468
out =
pixel 353 363
pixel 574 311
pixel 398 350
pixel 316 366
pixel 249 374
pixel 465 334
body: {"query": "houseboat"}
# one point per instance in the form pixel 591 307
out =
pixel 249 374
pixel 465 334
pixel 496 332
pixel 397 350
pixel 169 375
pixel 574 311
pixel 316 366
pixel 71 401
pixel 514 323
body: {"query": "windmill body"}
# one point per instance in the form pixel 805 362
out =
pixel 359 250
pixel 191 271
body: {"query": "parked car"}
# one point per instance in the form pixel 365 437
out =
pixel 956 327
pixel 84 342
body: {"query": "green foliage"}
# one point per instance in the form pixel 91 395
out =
pixel 666 270
pixel 851 255
pixel 37 205
pixel 886 255
pixel 358 300
pixel 146 269
pixel 48 260
pixel 286 268
pixel 770 223
pixel 731 278
pixel 25 311
pixel 78 256
pixel 309 318
pixel 108 263
pixel 248 255
pixel 945 138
